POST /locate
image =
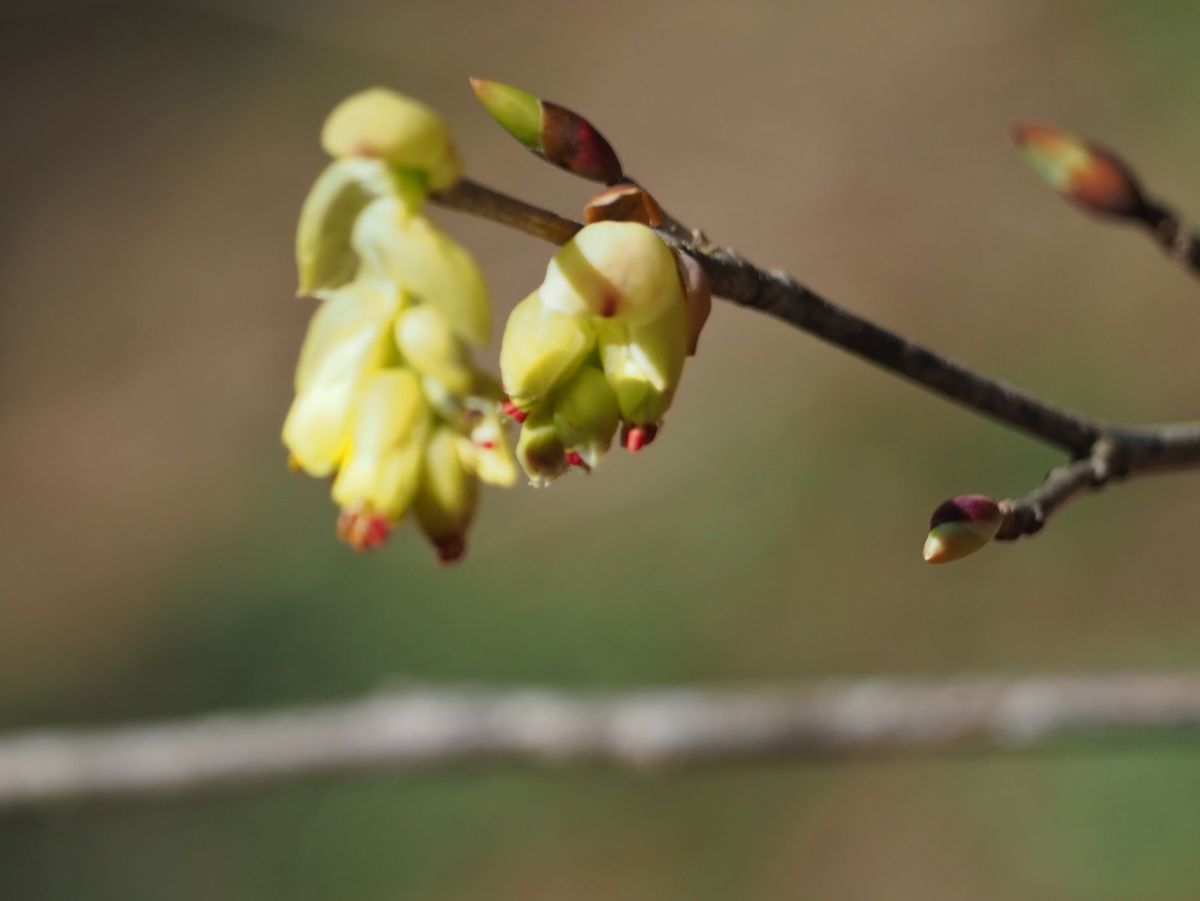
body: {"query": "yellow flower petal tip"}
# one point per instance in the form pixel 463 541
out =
pixel 397 129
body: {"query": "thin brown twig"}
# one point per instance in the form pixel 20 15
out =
pixel 445 728
pixel 1178 241
pixel 1127 450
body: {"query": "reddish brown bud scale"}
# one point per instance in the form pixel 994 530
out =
pixel 571 142
pixel 965 508
pixel 624 203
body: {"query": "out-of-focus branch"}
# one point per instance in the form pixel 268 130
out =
pixel 441 728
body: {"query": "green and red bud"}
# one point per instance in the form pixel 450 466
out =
pixel 1081 171
pixel 961 526
pixel 557 134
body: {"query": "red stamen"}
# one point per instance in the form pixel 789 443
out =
pixel 363 530
pixel 608 307
pixel 634 438
pixel 518 415
pixel 486 444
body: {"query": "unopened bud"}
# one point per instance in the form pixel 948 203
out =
pixel 561 136
pixel 396 129
pixel 961 526
pixel 1081 171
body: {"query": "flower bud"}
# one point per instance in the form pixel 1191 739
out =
pixel 348 339
pixel 1080 170
pixel 446 497
pixel 615 270
pixel 428 345
pixel 643 364
pixel 539 449
pixel 411 251
pixel 381 471
pixel 961 526
pixel 586 415
pixel 540 350
pixel 396 129
pixel 324 256
pixel 561 136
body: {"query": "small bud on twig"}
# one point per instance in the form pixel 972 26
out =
pixel 961 526
pixel 555 133
pixel 1081 171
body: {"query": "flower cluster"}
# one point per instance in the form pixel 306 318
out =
pixel 599 346
pixel 388 403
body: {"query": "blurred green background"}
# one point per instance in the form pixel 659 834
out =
pixel 156 559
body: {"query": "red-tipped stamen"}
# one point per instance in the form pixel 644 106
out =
pixel 363 530
pixel 486 444
pixel 574 458
pixel 512 410
pixel 634 438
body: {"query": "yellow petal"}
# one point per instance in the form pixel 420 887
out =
pixel 586 414
pixel 487 454
pixel 405 133
pixel 350 337
pixel 430 347
pixel 413 252
pixel 644 364
pixel 541 348
pixel 324 255
pixel 619 270
pixel 445 501
pixel 382 468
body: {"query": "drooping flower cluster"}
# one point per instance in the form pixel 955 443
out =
pixel 388 403
pixel 599 346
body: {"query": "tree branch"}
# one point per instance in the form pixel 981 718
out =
pixel 1126 450
pixel 426 728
